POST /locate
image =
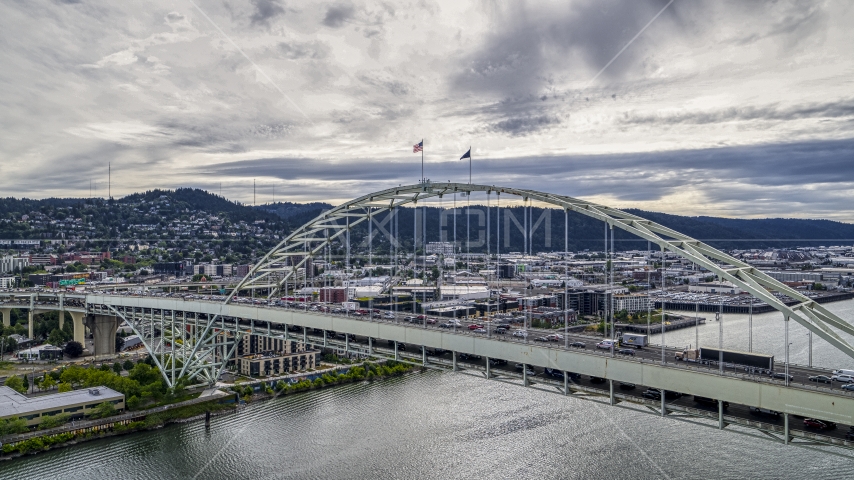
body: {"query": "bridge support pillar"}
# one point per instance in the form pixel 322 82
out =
pixel 370 345
pixel 7 316
pixel 611 399
pixel 396 354
pixel 487 365
pixel 454 361
pixel 324 339
pixel 30 322
pixel 565 383
pixel 79 329
pixel 103 329
pixel 786 437
pixel 423 355
pixel 304 335
pixel 524 374
pixel 721 423
pixel 663 404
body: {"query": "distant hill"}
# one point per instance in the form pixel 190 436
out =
pixel 111 219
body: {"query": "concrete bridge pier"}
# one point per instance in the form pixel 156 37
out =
pixel 103 329
pixel 79 328
pixel 721 423
pixel 7 316
pixel 454 360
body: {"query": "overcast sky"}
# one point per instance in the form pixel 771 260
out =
pixel 739 109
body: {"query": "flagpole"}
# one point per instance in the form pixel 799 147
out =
pixel 422 160
pixel 469 164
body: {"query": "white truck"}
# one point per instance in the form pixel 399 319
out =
pixel 635 340
pixel 350 306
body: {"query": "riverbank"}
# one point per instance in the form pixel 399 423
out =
pixel 30 443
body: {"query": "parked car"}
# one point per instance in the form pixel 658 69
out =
pixel 626 351
pixel 821 379
pixel 501 330
pixel 848 386
pixel 819 424
pixel 554 337
pixel 520 333
pixel 627 386
pixel 606 344
pixel 578 345
pixel 475 326
pixel 479 330
pixel 843 378
pixel 541 339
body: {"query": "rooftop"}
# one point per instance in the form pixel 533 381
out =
pixel 13 404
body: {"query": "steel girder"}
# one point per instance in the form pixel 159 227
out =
pixel 182 345
pixel 305 242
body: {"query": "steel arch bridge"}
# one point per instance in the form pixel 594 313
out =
pixel 281 264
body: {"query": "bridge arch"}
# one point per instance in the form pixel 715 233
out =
pixel 273 271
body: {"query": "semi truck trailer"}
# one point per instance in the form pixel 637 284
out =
pixel 711 356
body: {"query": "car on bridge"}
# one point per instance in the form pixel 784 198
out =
pixel 819 424
pixel 475 326
pixel 627 386
pixel 760 411
pixel 848 386
pixel 843 378
pixel 521 333
pixel 578 345
pixel 469 356
pixel 554 337
pixel 479 330
pixel 606 344
pixel 820 379
pixel 782 376
pixel 626 351
pixel 501 330
pixel 541 339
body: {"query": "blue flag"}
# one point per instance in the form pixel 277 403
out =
pixel 466 155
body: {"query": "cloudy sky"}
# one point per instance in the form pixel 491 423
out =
pixel 741 109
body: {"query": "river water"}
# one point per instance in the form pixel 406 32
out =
pixel 451 425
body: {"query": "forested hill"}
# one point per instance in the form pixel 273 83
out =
pixel 114 218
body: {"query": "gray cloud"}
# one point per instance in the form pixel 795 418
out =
pixel 337 15
pixel 521 126
pixel 530 44
pixel 837 109
pixel 266 10
pixel 296 50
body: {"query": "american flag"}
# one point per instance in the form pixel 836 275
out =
pixel 418 147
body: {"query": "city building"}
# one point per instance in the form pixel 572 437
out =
pixel 263 356
pixel 9 264
pixel 41 352
pixel 631 303
pixel 440 248
pixel 715 287
pixel 333 294
pixel 8 282
pixel 76 403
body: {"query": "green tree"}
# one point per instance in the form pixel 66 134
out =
pixel 12 426
pixel 52 421
pixel 15 383
pixel 128 365
pixel 26 384
pixel 56 337
pixel 103 410
pixel 133 402
pixel 47 383
pixel 117 367
pixel 73 349
pixel 64 387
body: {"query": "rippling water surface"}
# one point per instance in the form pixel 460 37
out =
pixel 443 425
